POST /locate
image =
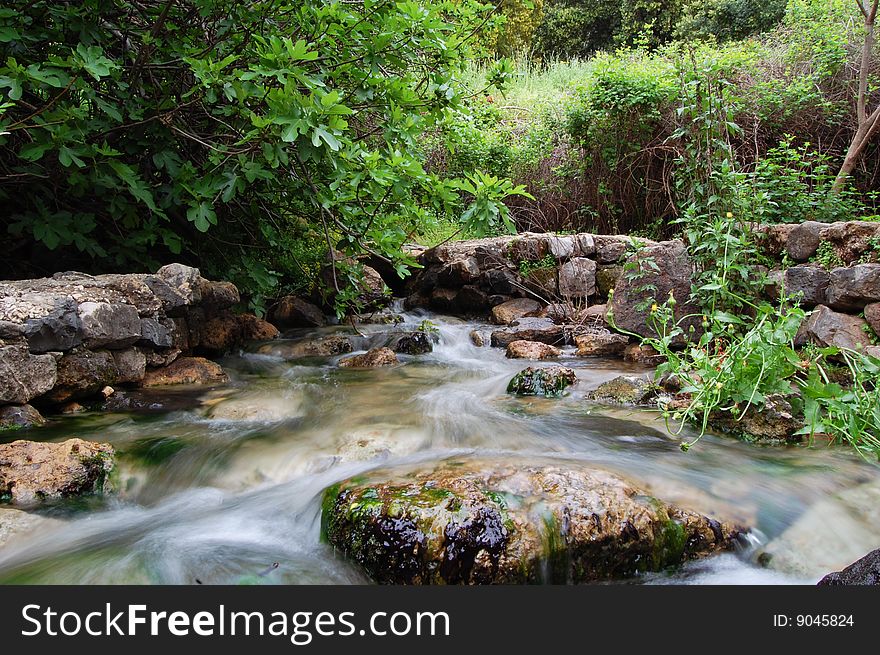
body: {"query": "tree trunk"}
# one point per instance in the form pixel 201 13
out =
pixel 867 124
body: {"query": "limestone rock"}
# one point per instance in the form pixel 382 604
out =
pixel 19 416
pixel 107 325
pixel 531 350
pixel 512 522
pixel 803 240
pixel 371 359
pixel 825 327
pixel 670 273
pixel 610 249
pixel 186 370
pixel 810 283
pixel 513 309
pixel 318 347
pixel 599 342
pixel 24 376
pixel 294 312
pixel 854 287
pixel 82 374
pixel 624 390
pixel 31 472
pixel 577 278
pixel 254 328
pixel 872 316
pixel 216 296
pixel 607 277
pixel 774 420
pixel 529 329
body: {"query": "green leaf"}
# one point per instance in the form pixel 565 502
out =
pixel 202 216
pixel 321 134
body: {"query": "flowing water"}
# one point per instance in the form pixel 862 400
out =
pixel 218 484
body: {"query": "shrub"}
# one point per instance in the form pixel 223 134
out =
pixel 727 20
pixel 237 136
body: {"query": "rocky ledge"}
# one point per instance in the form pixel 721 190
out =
pixel 485 522
pixel 71 336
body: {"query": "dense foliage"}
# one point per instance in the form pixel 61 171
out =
pixel 250 138
pixel 605 144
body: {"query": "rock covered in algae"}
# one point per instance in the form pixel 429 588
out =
pixel 488 523
pixel 549 381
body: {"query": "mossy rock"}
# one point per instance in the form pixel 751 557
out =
pixel 487 522
pixel 551 381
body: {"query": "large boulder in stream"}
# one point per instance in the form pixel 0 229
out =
pixel 512 522
pixel 31 472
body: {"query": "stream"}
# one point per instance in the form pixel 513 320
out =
pixel 218 484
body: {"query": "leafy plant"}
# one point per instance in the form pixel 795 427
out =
pixel 526 266
pixel 251 139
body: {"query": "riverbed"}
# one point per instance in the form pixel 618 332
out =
pixel 216 485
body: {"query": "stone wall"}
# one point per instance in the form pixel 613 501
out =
pixel 471 277
pixel 833 269
pixel 69 337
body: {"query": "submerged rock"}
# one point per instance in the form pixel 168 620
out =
pixel 186 370
pixel 830 535
pixel 485 523
pixel 531 350
pixel 371 359
pixel 550 381
pixel 31 472
pixel 16 523
pixel 318 347
pixel 624 390
pixel 257 407
pixel 865 571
